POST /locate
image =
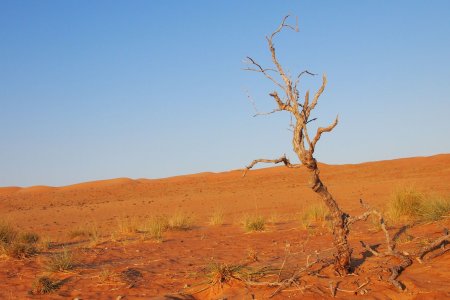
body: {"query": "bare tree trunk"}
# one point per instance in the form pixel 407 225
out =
pixel 302 144
pixel 339 220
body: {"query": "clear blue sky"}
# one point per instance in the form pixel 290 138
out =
pixel 103 89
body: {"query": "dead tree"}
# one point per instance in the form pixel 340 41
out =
pixel 303 144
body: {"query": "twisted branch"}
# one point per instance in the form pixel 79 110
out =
pixel 282 159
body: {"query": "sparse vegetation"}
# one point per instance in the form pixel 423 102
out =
pixel 217 217
pixel 314 214
pixel 107 276
pixel 44 285
pixel 180 221
pixel 220 273
pixel 128 226
pixel 61 261
pixel 17 244
pixel 254 222
pixel 20 250
pixel 91 232
pixel 405 205
pixel 7 233
pixel 28 237
pixel 155 228
pixel 409 205
pixel 435 209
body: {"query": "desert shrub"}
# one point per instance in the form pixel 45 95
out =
pixel 220 273
pixel 254 222
pixel 155 227
pixel 180 221
pixel 107 276
pixel 316 213
pixel 217 217
pixel 28 237
pixel 43 285
pixel 90 232
pixel 19 250
pixel 7 233
pixel 16 244
pixel 405 205
pixel 61 261
pixel 434 209
pixel 128 226
pixel 409 205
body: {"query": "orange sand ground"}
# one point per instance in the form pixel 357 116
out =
pixel 181 259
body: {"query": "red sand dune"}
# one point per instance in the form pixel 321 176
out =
pixel 181 258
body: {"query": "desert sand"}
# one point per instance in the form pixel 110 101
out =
pixel 180 261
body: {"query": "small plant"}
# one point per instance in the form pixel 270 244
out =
pixel 43 285
pixel 28 237
pixel 405 205
pixel 220 273
pixel 15 244
pixel 180 221
pixel 106 276
pixel 7 233
pixel 252 256
pixel 217 217
pixel 45 243
pixel 91 233
pixel 435 209
pixel 155 228
pixel 60 262
pixel 316 213
pixel 20 250
pixel 409 205
pixel 128 226
pixel 254 223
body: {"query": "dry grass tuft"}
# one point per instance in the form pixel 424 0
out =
pixel 254 222
pixel 20 250
pixel 16 244
pixel 44 285
pixel 61 261
pixel 220 273
pixel 217 217
pixel 7 233
pixel 409 205
pixel 128 226
pixel 435 209
pixel 405 205
pixel 155 227
pixel 180 221
pixel 90 232
pixel 315 214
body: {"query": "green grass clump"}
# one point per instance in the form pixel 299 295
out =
pixel 314 214
pixel 60 262
pixel 254 222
